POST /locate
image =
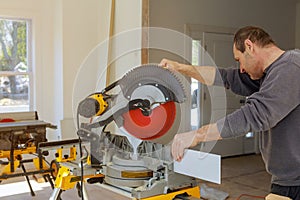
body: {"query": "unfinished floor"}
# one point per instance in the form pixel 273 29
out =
pixel 240 175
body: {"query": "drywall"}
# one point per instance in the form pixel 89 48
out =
pixel 82 30
pixel 277 16
pixel 85 50
pixel 298 25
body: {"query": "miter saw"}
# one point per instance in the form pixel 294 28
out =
pixel 145 106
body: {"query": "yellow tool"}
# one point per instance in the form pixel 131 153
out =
pixel 10 167
pixel 66 168
pixel 65 179
pixel 93 105
pixel 182 194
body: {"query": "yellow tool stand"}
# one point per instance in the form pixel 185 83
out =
pixel 20 135
pixel 66 168
pixel 181 194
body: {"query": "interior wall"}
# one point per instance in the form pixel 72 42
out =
pixel 81 22
pixel 277 17
pixel 49 71
pixel 298 25
pixel 57 64
pixel 86 26
pixel 128 21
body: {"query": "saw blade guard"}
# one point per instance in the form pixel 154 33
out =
pixel 155 94
pixel 151 74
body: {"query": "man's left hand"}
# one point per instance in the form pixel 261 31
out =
pixel 181 142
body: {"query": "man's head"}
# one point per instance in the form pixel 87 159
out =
pixel 248 41
pixel 254 34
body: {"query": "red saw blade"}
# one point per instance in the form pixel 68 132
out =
pixel 153 126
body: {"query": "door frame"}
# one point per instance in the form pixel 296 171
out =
pixel 197 32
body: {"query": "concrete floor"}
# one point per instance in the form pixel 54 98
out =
pixel 240 175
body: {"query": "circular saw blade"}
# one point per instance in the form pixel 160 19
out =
pixel 153 74
pixel 153 126
pixel 164 91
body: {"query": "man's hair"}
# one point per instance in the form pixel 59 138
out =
pixel 255 34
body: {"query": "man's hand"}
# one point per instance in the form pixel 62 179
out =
pixel 204 74
pixel 169 64
pixel 181 142
pixel 186 140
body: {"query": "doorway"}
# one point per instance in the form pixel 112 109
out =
pixel 214 102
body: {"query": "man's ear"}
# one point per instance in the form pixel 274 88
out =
pixel 248 45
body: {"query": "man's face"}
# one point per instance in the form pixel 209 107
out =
pixel 248 62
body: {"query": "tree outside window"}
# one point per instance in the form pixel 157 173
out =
pixel 14 66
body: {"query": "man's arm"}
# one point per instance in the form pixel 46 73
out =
pixel 189 139
pixel 204 74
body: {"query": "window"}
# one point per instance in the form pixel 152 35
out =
pixel 15 70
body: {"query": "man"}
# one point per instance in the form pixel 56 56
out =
pixel 270 78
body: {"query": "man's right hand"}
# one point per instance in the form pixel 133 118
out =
pixel 204 74
pixel 170 65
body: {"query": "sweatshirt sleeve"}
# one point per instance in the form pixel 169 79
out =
pixel 278 95
pixel 239 83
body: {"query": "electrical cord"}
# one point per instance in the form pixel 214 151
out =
pixel 81 168
pixel 251 196
pixel 81 161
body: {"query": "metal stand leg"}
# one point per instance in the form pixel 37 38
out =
pixel 48 178
pixel 83 192
pixel 28 182
pixel 56 194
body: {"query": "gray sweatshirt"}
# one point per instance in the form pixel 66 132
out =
pixel 272 110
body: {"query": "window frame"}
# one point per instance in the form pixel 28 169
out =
pixel 29 51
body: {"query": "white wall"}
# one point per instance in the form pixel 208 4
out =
pixel 57 64
pixel 128 21
pixel 85 39
pixel 83 29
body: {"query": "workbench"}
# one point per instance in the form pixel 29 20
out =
pixel 20 135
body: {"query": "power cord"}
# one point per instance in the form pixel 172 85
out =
pixel 251 196
pixel 81 161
